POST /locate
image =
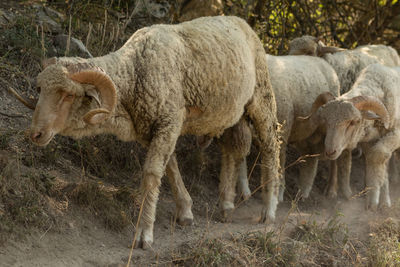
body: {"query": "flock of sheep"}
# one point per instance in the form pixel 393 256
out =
pixel 210 77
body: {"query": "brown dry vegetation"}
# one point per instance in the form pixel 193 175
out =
pixel 75 203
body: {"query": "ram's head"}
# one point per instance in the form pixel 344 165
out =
pixel 72 97
pixel 343 120
pixel 311 46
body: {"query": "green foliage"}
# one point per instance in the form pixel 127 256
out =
pixel 341 23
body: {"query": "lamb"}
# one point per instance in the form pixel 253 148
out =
pixel 367 114
pixel 197 77
pixel 295 89
pixel 347 63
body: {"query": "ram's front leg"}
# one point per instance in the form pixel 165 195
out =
pixel 344 171
pixel 308 171
pixel 385 196
pixel 159 152
pixel 376 160
pixel 331 189
pixel 374 173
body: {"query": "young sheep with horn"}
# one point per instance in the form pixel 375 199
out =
pixel 197 77
pixel 368 115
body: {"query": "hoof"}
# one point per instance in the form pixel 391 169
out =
pixel 143 244
pixel 185 221
pixel 227 215
pixel 266 218
pixel 371 206
pixel 347 194
pixel 246 196
pixel 143 240
pixel 184 217
pixel 331 194
pixel 304 194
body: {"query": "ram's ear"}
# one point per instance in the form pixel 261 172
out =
pixel 96 116
pixel 369 115
pixel 48 61
pixel 92 92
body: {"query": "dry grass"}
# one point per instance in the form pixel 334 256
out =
pixel 115 207
pixel 384 244
pixel 23 199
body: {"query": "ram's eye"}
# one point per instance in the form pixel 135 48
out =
pixel 38 89
pixel 352 123
pixel 69 96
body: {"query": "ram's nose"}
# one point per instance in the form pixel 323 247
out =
pixel 330 153
pixel 35 136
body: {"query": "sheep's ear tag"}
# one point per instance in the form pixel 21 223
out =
pixel 96 116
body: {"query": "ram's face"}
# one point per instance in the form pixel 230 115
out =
pixel 57 95
pixel 70 96
pixel 343 127
pixel 344 121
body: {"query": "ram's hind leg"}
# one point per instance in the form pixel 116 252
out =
pixel 227 184
pixel 262 111
pixel 183 202
pixel 243 186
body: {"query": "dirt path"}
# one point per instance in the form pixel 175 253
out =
pixel 83 242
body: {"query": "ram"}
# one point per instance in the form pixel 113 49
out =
pixel 197 77
pixel 368 115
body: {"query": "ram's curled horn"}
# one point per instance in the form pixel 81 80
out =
pixel 321 100
pixel 28 104
pixel 371 103
pixel 88 74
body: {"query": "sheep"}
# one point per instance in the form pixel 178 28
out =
pixel 368 115
pixel 347 63
pixel 295 87
pixel 197 77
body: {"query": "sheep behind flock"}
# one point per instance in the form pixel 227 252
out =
pixel 347 63
pixel 295 87
pixel 368 114
pixel 197 77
